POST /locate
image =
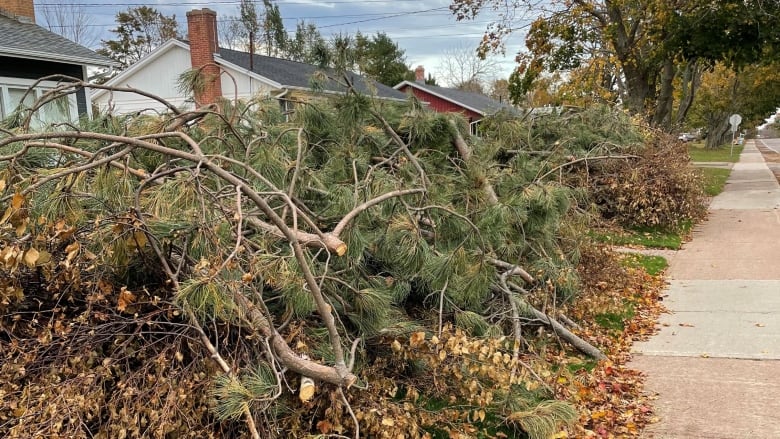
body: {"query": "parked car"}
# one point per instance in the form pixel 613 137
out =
pixel 686 137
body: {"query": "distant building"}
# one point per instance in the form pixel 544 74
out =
pixel 473 106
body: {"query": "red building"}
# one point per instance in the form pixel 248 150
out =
pixel 473 106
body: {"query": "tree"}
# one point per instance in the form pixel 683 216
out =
pixel 72 22
pixel 232 34
pixel 306 45
pixel 139 31
pixel 753 93
pixel 644 46
pixel 380 58
pixel 273 29
pixel 461 67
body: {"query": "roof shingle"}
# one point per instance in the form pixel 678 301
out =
pixel 296 74
pixel 28 40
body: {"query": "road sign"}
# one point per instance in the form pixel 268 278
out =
pixel 735 120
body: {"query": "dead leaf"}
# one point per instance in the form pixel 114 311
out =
pixel 686 325
pixel 760 325
pixel 126 297
pixel 31 257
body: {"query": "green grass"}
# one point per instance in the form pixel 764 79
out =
pixel 699 153
pixel 651 264
pixel 650 237
pixel 615 321
pixel 714 180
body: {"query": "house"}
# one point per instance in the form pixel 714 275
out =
pixel 29 52
pixel 473 106
pixel 229 73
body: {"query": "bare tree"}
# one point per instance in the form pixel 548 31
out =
pixel 462 68
pixel 72 21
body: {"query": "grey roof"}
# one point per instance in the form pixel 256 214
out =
pixel 475 101
pixel 28 40
pixel 296 74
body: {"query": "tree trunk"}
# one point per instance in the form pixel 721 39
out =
pixel 690 83
pixel 663 108
pixel 719 130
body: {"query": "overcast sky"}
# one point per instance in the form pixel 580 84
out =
pixel 423 28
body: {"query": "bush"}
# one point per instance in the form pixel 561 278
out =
pixel 657 189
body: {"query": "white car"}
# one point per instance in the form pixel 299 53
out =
pixel 686 137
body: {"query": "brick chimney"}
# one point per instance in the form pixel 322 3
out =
pixel 202 30
pixel 419 74
pixel 22 10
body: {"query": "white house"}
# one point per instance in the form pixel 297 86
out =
pixel 240 75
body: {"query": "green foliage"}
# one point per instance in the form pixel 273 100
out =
pixel 139 30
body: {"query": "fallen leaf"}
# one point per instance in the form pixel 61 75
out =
pixel 760 325
pixel 126 297
pixel 686 325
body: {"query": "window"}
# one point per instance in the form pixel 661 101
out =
pixel 14 92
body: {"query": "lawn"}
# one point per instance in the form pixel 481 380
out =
pixel 714 180
pixel 699 153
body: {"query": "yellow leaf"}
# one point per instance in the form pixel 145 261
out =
pixel 2 185
pixel 388 422
pixel 31 257
pixel 599 414
pixel 442 355
pixel 17 201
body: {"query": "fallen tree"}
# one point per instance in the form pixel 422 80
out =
pixel 288 255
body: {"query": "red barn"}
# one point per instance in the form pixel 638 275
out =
pixel 473 106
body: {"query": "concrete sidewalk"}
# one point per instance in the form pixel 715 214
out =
pixel 716 362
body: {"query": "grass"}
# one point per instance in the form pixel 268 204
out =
pixel 714 180
pixel 615 320
pixel 699 153
pixel 651 237
pixel 651 264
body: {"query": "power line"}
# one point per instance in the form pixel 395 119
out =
pixel 213 2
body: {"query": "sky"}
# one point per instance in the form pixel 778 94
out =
pixel 424 29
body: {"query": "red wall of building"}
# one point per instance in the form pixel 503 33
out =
pixel 440 105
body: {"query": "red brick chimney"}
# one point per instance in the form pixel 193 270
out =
pixel 419 74
pixel 202 30
pixel 22 10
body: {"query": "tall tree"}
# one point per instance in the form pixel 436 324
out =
pixel 462 68
pixel 275 36
pixel 380 58
pixel 643 45
pixel 139 31
pixel 71 21
pixel 306 42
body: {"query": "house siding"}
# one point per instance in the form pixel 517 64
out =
pixel 160 77
pixel 441 105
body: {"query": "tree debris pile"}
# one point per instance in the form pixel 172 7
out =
pixel 214 273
